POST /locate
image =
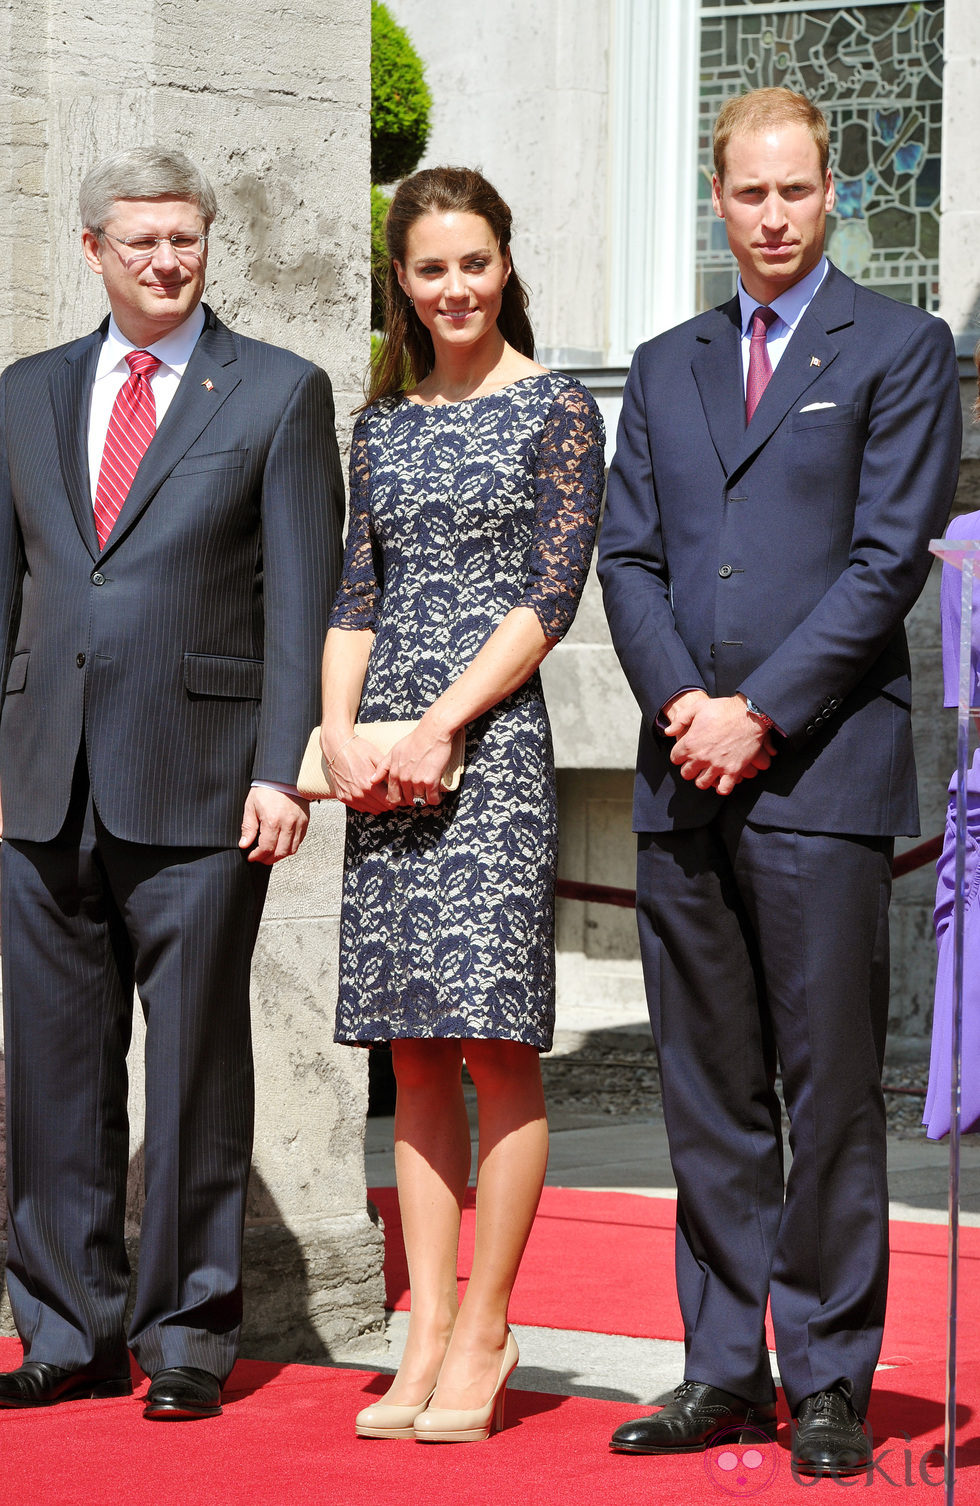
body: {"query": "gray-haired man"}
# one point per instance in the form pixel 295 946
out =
pixel 170 511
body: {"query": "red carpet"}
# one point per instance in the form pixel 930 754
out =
pixel 595 1259
pixel 285 1439
pixel 592 1262
pixel 286 1436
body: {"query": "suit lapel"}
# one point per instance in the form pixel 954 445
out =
pixel 211 376
pixel 716 367
pixel 809 354
pixel 71 390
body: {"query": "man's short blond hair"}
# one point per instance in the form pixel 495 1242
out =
pixel 750 114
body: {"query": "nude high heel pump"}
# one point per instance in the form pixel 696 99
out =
pixel 446 1425
pixel 386 1419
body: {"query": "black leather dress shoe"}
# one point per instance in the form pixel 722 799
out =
pixel 182 1392
pixel 688 1423
pixel 38 1384
pixel 829 1436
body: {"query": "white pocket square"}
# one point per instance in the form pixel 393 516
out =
pixel 812 407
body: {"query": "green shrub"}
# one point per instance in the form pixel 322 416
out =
pixel 379 256
pixel 400 99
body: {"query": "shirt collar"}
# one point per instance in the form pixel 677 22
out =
pixel 791 305
pixel 173 349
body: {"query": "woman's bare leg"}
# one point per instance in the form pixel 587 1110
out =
pixel 432 1167
pixel 513 1159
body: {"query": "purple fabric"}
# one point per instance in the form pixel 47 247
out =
pixel 938 1112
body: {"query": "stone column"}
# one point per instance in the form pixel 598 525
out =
pixel 653 171
pixel 274 104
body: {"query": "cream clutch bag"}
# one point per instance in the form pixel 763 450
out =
pixel 314 782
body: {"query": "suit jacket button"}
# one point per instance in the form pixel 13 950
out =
pixel 98 579
pixel 712 651
pixel 725 571
pixel 80 660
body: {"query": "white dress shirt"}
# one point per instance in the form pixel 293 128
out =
pixel 172 350
pixel 790 307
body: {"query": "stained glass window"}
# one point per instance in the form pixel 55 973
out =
pixel 876 72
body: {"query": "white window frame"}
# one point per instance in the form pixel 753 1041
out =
pixel 653 167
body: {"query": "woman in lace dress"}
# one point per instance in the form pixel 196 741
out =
pixel 476 478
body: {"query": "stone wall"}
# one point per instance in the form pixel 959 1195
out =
pixel 274 104
pixel 520 92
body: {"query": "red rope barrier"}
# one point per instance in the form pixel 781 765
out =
pixel 917 857
pixel 596 894
pixel 625 899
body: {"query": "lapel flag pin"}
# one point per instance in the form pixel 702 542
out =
pixel 210 385
pixel 814 361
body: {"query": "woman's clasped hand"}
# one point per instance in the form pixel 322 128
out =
pixel 409 774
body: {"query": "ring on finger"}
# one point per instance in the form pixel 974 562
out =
pixel 418 800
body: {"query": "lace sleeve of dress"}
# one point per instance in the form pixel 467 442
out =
pixel 355 605
pixel 568 479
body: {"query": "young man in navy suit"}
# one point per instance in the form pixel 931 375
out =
pixel 781 464
pixel 171 505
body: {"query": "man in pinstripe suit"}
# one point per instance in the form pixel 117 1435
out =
pixel 159 691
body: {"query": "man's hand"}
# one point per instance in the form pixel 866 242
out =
pixel 275 823
pixel 679 711
pixel 724 743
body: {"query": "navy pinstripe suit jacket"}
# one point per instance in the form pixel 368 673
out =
pixel 188 649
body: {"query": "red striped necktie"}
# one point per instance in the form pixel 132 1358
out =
pixel 132 425
pixel 760 367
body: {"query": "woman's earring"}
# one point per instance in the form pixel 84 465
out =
pixel 411 303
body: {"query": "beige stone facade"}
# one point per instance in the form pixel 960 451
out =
pixel 274 104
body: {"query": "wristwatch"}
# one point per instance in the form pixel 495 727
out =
pixel 766 721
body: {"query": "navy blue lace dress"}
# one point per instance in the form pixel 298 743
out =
pixel 459 513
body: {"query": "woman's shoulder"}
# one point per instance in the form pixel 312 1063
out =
pixel 373 422
pixel 568 390
pixel 569 395
pixel 379 410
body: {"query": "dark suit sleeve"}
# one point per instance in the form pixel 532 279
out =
pixel 302 525
pixel 633 568
pixel 355 606
pixel 12 563
pixel 909 469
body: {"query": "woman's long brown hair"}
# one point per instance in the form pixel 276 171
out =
pixel 406 353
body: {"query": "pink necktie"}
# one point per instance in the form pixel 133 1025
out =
pixel 132 425
pixel 760 369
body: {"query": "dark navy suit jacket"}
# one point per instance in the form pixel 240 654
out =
pixel 189 647
pixel 780 559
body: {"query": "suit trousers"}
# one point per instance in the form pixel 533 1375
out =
pixel 85 918
pixel 759 946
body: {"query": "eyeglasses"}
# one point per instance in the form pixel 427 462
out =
pixel 187 245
